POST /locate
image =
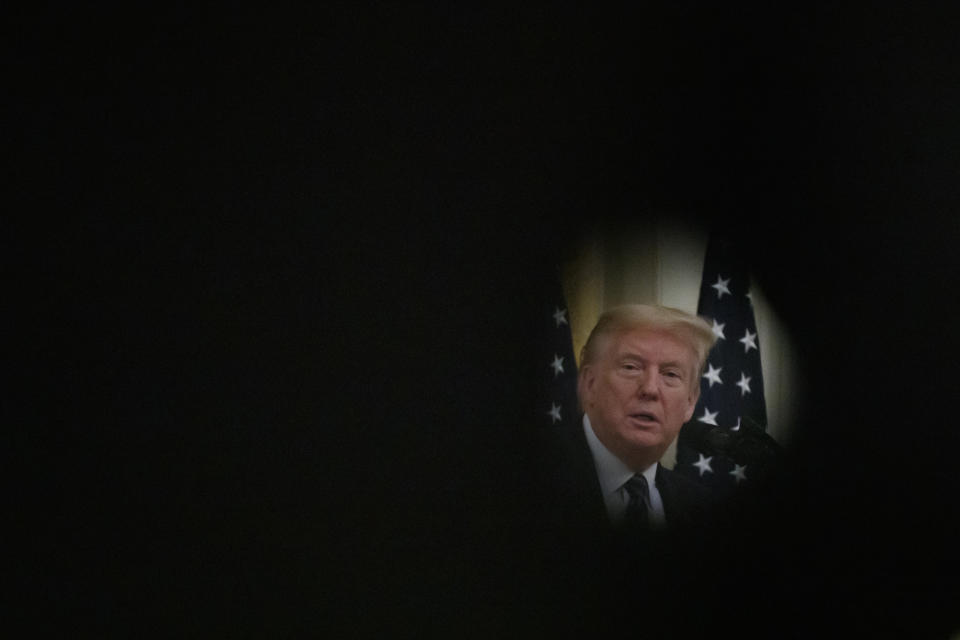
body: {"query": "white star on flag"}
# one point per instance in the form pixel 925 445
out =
pixel 703 464
pixel 744 384
pixel 739 472
pixel 718 330
pixel 554 413
pixel 713 375
pixel 749 340
pixel 560 316
pixel 708 417
pixel 736 428
pixel 557 365
pixel 721 287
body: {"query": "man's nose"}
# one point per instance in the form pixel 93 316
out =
pixel 648 385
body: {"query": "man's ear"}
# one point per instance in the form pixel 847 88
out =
pixel 692 400
pixel 585 383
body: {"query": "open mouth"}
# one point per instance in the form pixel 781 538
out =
pixel 644 417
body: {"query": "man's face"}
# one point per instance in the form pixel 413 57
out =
pixel 639 392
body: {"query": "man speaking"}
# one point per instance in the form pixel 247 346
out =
pixel 638 383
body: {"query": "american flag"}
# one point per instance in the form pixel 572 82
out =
pixel 731 408
pixel 556 363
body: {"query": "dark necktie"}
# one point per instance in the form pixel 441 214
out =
pixel 636 515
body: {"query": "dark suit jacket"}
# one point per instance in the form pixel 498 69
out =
pixel 573 513
pixel 591 571
pixel 588 564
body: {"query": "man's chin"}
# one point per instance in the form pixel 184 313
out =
pixel 645 439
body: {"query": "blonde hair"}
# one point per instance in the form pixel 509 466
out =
pixel 691 329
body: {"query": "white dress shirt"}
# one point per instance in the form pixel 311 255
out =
pixel 613 474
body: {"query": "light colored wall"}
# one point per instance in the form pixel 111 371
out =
pixel 660 261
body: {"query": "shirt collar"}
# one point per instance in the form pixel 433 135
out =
pixel 611 470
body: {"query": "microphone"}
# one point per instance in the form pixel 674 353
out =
pixel 750 443
pixel 707 438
